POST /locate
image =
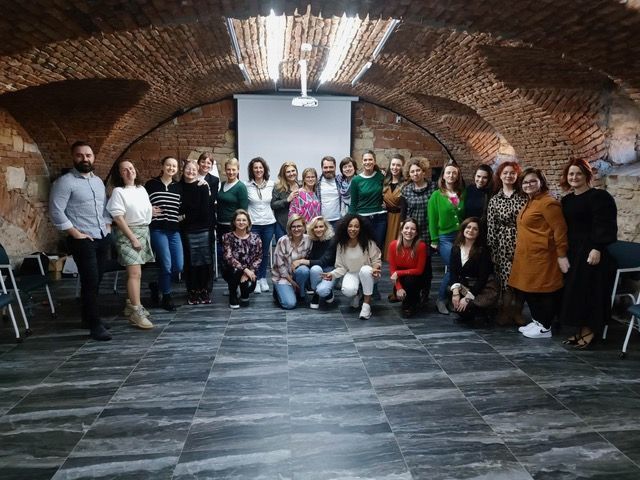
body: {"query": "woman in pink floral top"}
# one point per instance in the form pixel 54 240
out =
pixel 241 258
pixel 307 204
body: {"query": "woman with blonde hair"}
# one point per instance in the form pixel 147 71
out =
pixel 232 196
pixel 321 259
pixel 293 246
pixel 284 192
pixel 307 204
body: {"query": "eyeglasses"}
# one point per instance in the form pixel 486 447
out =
pixel 531 182
pixel 296 226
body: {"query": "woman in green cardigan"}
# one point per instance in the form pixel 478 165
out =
pixel 446 212
pixel 231 197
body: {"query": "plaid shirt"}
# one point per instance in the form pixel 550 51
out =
pixel 414 205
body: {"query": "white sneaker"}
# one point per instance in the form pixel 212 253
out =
pixel 264 285
pixel 257 289
pixel 137 319
pixel 365 313
pixel 540 332
pixel 129 309
pixel 355 302
pixel 529 326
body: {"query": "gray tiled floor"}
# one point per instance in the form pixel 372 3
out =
pixel 267 394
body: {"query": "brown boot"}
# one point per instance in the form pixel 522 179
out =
pixel 503 317
pixel 517 305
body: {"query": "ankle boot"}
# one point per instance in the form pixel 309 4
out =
pixel 167 303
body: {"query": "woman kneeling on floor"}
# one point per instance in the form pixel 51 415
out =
pixel 407 259
pixel 358 260
pixel 241 259
pixel 289 284
pixel 321 259
pixel 474 287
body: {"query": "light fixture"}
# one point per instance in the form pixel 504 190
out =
pixel 362 71
pixel 347 30
pixel 236 48
pixel 376 52
pixel 275 26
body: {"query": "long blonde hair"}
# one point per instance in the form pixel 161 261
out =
pixel 328 232
pixel 282 184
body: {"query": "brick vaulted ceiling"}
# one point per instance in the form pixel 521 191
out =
pixel 534 73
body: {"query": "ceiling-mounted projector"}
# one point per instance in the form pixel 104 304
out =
pixel 304 102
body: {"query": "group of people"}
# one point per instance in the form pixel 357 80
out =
pixel 504 239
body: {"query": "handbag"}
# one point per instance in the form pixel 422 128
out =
pixel 488 297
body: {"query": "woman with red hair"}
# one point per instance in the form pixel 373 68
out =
pixel 502 214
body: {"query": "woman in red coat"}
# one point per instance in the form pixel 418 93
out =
pixel 407 259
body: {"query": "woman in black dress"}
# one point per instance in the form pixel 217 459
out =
pixel 591 218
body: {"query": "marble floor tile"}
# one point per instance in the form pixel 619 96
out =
pixel 409 347
pixel 246 378
pixel 252 349
pixel 320 346
pixel 141 428
pixel 155 466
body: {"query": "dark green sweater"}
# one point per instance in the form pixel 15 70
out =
pixel 231 200
pixel 366 194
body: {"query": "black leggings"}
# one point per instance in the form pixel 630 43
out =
pixel 232 276
pixel 412 285
pixel 544 306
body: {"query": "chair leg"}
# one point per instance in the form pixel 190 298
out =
pixel 51 304
pixel 15 325
pixel 78 286
pixel 604 331
pixel 629 330
pixel 24 315
pixel 115 283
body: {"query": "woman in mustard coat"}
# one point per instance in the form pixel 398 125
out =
pixel 540 258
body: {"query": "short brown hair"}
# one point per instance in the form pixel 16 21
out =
pixel 583 165
pixel 544 185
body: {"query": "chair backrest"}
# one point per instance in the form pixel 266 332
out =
pixel 626 254
pixel 4 258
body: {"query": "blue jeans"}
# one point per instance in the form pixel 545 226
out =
pixel 378 224
pixel 323 288
pixel 301 276
pixel 265 232
pixel 445 244
pixel 285 295
pixel 280 231
pixel 167 246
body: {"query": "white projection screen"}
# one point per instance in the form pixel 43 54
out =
pixel 270 127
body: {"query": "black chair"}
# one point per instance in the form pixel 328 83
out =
pixel 627 256
pixel 6 298
pixel 27 282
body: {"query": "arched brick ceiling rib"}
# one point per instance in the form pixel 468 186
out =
pixel 602 33
pixel 455 51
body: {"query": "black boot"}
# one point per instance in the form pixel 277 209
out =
pixel 167 303
pixel 155 293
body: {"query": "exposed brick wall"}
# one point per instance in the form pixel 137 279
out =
pixel 384 132
pixel 24 188
pixel 203 129
pixel 207 128
pixel 625 188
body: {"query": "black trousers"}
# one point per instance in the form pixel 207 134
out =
pixel 91 258
pixel 544 307
pixel 232 276
pixel 412 285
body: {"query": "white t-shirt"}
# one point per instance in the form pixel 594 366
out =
pixel 260 203
pixel 132 203
pixel 330 199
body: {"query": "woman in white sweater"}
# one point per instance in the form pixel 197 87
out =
pixel 263 222
pixel 131 210
pixel 358 260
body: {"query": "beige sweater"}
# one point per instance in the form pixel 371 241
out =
pixel 352 259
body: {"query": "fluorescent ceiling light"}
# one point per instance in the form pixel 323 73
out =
pixel 376 52
pixel 236 48
pixel 275 26
pixel 362 71
pixel 347 30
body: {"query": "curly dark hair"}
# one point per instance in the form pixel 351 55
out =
pixel 342 234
